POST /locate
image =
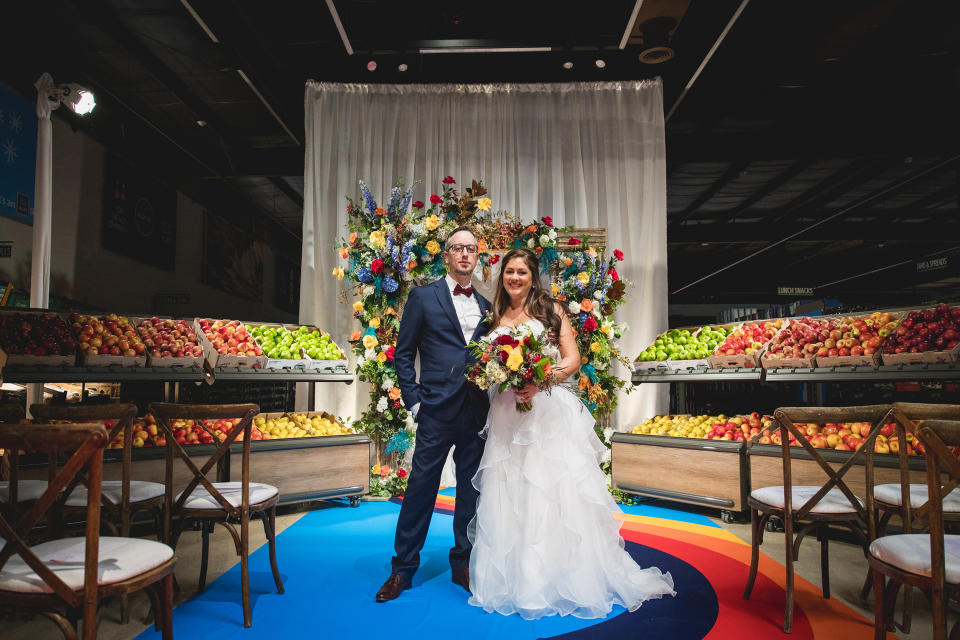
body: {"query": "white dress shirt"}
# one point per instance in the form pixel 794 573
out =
pixel 468 314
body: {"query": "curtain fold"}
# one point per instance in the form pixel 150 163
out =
pixel 586 154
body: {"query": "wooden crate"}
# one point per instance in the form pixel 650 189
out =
pixel 710 473
pixel 216 359
pixel 309 468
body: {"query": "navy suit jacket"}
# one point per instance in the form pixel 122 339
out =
pixel 430 327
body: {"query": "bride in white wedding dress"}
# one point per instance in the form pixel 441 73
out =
pixel 546 537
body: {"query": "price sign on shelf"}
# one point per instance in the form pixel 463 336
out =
pixel 794 291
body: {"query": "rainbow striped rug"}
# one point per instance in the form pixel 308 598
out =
pixel 333 560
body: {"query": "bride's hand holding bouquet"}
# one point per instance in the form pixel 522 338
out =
pixel 514 359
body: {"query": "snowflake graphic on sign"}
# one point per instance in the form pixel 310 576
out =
pixel 10 152
pixel 16 122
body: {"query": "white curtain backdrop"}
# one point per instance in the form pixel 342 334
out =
pixel 586 154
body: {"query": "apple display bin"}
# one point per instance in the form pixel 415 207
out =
pixel 301 468
pixel 710 473
pixel 766 468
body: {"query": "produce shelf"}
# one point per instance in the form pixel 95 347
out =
pixel 23 374
pixel 926 371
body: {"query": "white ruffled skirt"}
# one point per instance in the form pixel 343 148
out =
pixel 546 537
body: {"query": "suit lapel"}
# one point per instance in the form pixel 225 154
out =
pixel 484 308
pixel 446 302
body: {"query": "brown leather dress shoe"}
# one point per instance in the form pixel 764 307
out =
pixel 462 578
pixel 393 587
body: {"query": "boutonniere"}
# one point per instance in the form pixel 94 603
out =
pixel 487 315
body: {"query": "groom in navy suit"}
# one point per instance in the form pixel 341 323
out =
pixel 439 319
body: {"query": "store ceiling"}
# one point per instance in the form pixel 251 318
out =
pixel 840 113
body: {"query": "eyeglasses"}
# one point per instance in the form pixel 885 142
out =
pixel 463 248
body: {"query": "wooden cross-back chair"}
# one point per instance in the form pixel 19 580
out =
pixel 221 503
pixel 888 497
pixel 121 498
pixel 813 508
pixel 928 561
pixel 76 572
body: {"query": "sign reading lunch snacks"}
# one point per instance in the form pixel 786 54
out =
pixel 398 243
pixel 794 291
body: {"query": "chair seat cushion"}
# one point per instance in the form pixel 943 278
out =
pixel 140 491
pixel 120 559
pixel 201 498
pixel 911 552
pixel 834 502
pixel 890 493
pixel 26 490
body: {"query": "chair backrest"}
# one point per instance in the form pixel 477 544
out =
pixel 938 436
pixel 905 416
pixel 787 417
pixel 116 417
pixel 165 413
pixel 87 441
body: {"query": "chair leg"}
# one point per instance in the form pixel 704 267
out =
pixel 245 567
pixel 788 607
pixel 867 584
pixel 907 609
pixel 167 606
pixel 270 530
pixel 206 527
pixel 62 623
pixel 879 611
pixel 824 560
pixel 755 527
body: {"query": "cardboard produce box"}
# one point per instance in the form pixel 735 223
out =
pixel 113 324
pixel 934 315
pixel 12 330
pixel 340 362
pixel 803 362
pixel 170 361
pixel 719 360
pixel 216 359
pixel 868 360
pixel 279 363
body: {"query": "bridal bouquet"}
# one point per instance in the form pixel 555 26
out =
pixel 512 359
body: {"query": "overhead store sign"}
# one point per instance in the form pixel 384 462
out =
pixel 18 156
pixel 794 291
pixel 932 265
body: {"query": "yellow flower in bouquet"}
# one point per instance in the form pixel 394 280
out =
pixel 378 240
pixel 358 306
pixel 594 347
pixel 370 342
pixel 431 222
pixel 375 469
pixel 338 271
pixel 556 289
pixel 583 277
pixel 375 323
pixel 515 359
pixel 605 329
pixel 484 204
pixel 433 247
pixel 381 357
pixel 390 311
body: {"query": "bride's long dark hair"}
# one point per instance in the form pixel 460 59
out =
pixel 539 303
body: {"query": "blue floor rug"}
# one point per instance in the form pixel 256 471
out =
pixel 333 561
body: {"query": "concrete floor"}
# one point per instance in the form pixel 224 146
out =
pixel 848 569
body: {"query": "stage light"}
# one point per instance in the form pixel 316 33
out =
pixel 78 98
pixel 372 65
pixel 402 67
pixel 600 62
pixel 568 65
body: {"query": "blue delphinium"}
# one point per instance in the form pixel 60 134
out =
pixel 368 197
pixel 393 204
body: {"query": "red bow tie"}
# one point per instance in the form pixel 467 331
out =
pixel 466 291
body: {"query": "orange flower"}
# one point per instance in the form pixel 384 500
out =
pixel 390 312
pixel 586 304
pixel 568 261
pixel 547 369
pixel 532 228
pixel 485 357
pixel 582 384
pixel 380 211
pixel 353 238
pixel 394 393
pixel 482 245
pixel 355 336
pixel 344 253
pixel 539 249
pixel 384 471
pixel 562 298
pixel 411 265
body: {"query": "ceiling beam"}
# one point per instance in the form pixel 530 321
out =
pixel 734 170
pixel 762 232
pixel 772 185
pixel 288 191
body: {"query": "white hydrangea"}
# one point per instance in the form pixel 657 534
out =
pixel 369 290
pixel 545 240
pixel 598 294
pixel 495 372
pixel 370 354
pixel 382 404
pixel 387 383
pixel 360 361
pixel 599 365
pixel 574 307
pixel 608 433
pixel 427 258
pixel 553 234
pixel 531 243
